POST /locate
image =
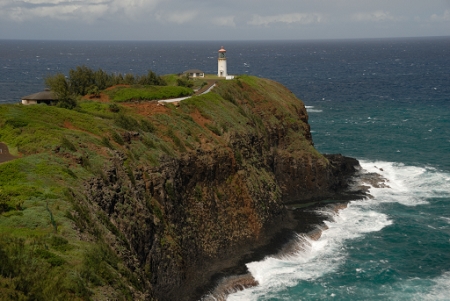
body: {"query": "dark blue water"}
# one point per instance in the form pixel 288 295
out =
pixel 385 102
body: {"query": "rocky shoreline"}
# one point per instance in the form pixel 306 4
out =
pixel 301 221
pixel 201 272
pixel 284 247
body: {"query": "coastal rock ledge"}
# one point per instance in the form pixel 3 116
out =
pixel 144 201
pixel 197 216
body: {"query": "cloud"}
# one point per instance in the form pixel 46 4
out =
pixel 245 19
pixel 225 21
pixel 73 9
pixel 300 18
pixel 441 18
pixel 179 17
pixel 375 16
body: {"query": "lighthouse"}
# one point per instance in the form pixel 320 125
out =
pixel 222 63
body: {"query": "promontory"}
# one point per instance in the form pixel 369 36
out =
pixel 147 201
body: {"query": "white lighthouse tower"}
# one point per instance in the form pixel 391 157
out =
pixel 222 63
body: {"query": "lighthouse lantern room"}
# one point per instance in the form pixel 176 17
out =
pixel 222 63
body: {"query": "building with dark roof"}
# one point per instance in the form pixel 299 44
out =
pixel 46 96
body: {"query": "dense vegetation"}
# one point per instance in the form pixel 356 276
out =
pixel 83 80
pixel 57 245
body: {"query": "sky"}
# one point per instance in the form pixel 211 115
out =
pixel 222 19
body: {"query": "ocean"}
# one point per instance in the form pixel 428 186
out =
pixel 385 102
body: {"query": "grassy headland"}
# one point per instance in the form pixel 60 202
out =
pixel 87 181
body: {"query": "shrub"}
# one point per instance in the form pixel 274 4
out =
pixel 51 258
pixel 176 140
pixel 67 144
pixel 148 142
pixel 117 138
pixel 147 126
pixel 214 129
pixel 114 108
pixel 16 123
pixel 183 82
pixel 126 122
pixel 107 143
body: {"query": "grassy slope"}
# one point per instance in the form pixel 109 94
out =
pixel 122 94
pixel 44 253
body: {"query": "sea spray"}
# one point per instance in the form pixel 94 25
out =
pixel 391 246
pixel 314 258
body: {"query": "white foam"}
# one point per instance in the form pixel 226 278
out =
pixel 447 219
pixel 439 291
pixel 315 258
pixel 408 185
pixel 311 109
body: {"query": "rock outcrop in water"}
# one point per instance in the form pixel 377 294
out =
pixel 199 190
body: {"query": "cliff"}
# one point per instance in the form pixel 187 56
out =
pixel 143 201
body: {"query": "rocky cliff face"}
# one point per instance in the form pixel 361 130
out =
pixel 178 223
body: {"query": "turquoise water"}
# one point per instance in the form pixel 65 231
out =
pixel 385 102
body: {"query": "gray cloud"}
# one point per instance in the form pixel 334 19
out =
pixel 212 19
pixel 292 18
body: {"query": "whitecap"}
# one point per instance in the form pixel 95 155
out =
pixel 447 219
pixel 314 258
pixel 439 290
pixel 311 109
pixel 408 185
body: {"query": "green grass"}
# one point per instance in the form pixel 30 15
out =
pixel 123 94
pixel 170 79
pixel 52 237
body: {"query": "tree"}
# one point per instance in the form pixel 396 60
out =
pixel 151 79
pixel 129 79
pixel 102 79
pixel 60 86
pixel 80 80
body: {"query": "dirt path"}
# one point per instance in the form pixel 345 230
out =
pixel 4 153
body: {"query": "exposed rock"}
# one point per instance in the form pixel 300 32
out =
pixel 193 218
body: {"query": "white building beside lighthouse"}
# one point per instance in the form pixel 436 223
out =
pixel 222 63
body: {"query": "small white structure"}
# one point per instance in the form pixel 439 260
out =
pixel 222 63
pixel 194 73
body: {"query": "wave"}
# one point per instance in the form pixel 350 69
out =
pixel 313 257
pixel 408 185
pixel 439 290
pixel 419 289
pixel 311 109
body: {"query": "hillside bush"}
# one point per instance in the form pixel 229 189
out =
pixel 82 81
